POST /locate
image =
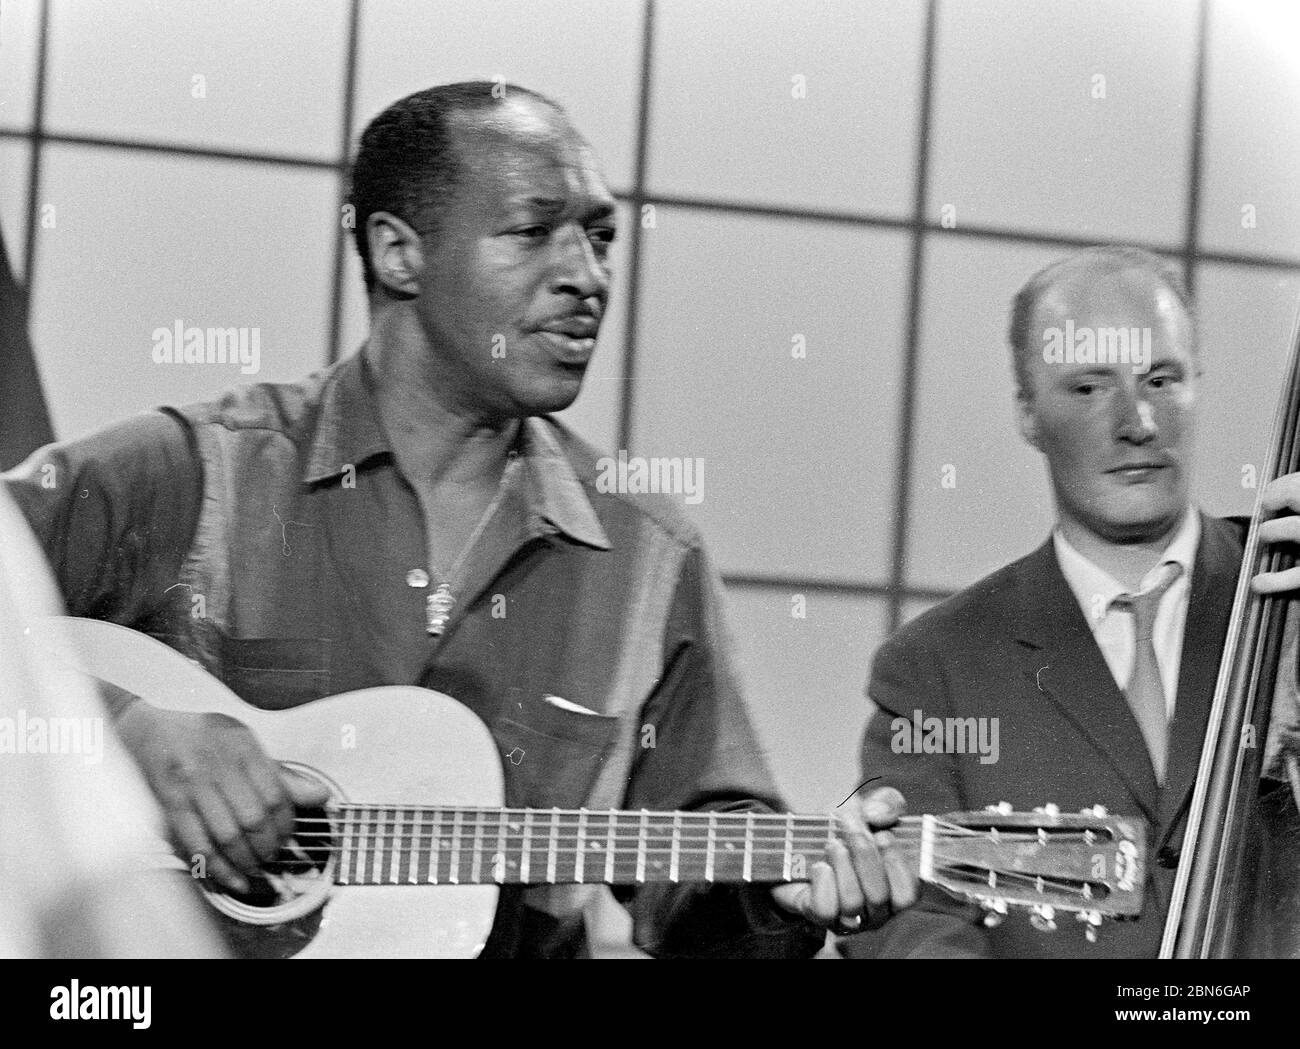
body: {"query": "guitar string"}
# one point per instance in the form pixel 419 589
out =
pixel 658 837
pixel 1007 879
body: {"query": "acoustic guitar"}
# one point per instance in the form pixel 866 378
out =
pixel 406 858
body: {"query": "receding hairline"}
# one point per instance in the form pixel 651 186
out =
pixel 1089 264
pixel 521 126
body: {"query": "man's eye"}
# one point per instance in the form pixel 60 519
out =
pixel 602 234
pixel 537 232
pixel 1159 382
pixel 1084 388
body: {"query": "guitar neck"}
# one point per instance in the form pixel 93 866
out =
pixel 388 845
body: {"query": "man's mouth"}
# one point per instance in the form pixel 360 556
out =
pixel 1136 473
pixel 568 350
pixel 572 338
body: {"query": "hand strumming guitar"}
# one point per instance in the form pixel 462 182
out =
pixel 224 799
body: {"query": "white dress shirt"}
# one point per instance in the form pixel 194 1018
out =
pixel 1096 589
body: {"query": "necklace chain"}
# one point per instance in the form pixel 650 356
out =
pixel 439 604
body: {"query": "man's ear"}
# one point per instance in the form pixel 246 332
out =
pixel 396 254
pixel 1027 417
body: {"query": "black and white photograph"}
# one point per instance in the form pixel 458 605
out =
pixel 650 479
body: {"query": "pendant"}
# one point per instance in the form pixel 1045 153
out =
pixel 438 609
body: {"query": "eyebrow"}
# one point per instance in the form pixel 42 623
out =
pixel 554 205
pixel 1088 373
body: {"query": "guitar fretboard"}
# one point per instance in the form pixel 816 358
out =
pixel 384 845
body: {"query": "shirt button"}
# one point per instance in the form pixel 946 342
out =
pixel 417 577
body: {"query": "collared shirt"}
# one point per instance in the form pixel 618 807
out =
pixel 1096 591
pixel 271 536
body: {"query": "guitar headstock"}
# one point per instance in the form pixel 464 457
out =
pixel 1090 864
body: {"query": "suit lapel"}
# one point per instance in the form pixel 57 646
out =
pixel 1064 663
pixel 1218 560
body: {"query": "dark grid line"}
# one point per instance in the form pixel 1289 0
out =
pixel 637 200
pixel 34 160
pixel 912 349
pixel 1259 260
pixel 1196 159
pixel 177 148
pixel 345 143
pixel 845 587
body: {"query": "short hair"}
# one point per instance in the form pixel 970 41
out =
pixel 1105 258
pixel 407 163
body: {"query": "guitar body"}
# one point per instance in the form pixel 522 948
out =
pixel 388 745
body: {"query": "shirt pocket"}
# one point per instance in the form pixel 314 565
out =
pixel 275 673
pixel 551 756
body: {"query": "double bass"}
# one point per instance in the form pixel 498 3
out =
pixel 1237 889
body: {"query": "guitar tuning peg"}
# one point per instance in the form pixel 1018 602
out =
pixel 1049 810
pixel 1043 917
pixel 1002 808
pixel 1093 920
pixel 996 911
pixel 1098 811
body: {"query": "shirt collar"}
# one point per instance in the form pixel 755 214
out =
pixel 347 430
pixel 554 493
pixel 1095 588
pixel 348 433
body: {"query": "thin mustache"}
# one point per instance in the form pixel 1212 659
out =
pixel 596 312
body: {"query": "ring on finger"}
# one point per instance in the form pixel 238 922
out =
pixel 848 926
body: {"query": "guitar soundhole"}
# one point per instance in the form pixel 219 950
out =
pixel 298 882
pixel 303 859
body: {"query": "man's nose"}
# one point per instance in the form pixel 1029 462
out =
pixel 1135 420
pixel 579 270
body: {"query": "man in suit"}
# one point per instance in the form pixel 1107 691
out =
pixel 1096 654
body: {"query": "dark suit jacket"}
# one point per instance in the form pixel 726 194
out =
pixel 1015 646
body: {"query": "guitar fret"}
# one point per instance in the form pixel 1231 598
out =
pixel 434 842
pixel 611 843
pixel 552 842
pixel 377 854
pixel 476 867
pixel 397 847
pixel 413 847
pixel 675 856
pixel 579 855
pixel 453 873
pixel 525 857
pixel 500 872
pixel 713 841
pixel 362 830
pixel 642 827
pixel 345 868
pixel 787 858
pixel 749 847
